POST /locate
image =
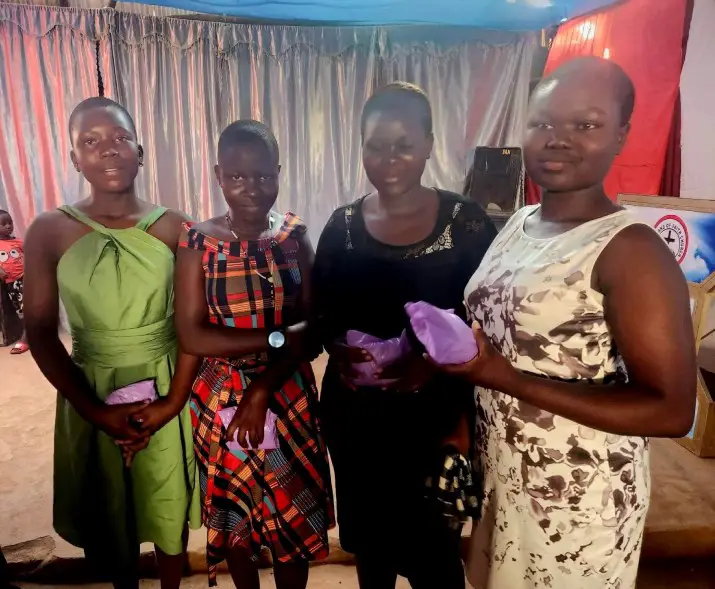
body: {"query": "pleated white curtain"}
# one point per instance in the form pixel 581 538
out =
pixel 308 85
pixel 47 65
pixel 168 74
pixel 478 86
pixel 185 80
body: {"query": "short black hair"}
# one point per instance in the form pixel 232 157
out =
pixel 394 97
pixel 99 102
pixel 624 85
pixel 627 92
pixel 248 131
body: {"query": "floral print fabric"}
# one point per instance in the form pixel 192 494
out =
pixel 564 504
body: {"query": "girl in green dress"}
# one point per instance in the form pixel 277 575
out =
pixel 124 475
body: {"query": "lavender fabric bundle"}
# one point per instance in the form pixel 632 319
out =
pixel 144 390
pixel 446 338
pixel 383 352
pixel 270 435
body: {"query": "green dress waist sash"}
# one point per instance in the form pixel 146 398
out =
pixel 124 347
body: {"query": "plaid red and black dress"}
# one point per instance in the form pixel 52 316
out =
pixel 276 499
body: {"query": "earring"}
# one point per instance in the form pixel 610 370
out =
pixel 141 164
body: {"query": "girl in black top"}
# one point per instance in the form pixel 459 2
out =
pixel 405 242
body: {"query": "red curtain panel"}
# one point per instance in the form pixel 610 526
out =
pixel 670 182
pixel 645 38
pixel 532 193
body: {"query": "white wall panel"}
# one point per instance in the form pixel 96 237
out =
pixel 697 90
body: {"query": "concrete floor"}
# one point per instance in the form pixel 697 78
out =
pixel 27 404
pixel 321 577
pixel 664 575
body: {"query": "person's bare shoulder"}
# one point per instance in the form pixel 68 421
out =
pixel 213 227
pixel 178 217
pixel 638 251
pixel 639 240
pixel 169 227
pixel 49 232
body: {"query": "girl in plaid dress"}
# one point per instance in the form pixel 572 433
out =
pixel 241 304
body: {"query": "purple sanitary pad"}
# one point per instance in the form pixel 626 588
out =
pixel 446 338
pixel 144 390
pixel 383 352
pixel 270 435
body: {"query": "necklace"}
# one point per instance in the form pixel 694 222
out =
pixel 271 263
pixel 269 278
pixel 271 223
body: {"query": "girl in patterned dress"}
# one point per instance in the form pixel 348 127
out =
pixel 587 349
pixel 242 304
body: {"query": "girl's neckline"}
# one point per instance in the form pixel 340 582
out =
pixel 536 208
pixel 271 232
pixel 437 229
pixel 91 221
pixel 276 237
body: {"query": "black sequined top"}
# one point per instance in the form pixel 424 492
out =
pixel 361 283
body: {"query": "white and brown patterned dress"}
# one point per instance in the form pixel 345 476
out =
pixel 565 504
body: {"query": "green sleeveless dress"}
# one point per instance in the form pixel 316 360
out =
pixel 117 288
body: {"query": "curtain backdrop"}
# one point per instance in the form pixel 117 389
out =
pixel 47 65
pixel 169 76
pixel 185 80
pixel 645 38
pixel 309 85
pixel 479 89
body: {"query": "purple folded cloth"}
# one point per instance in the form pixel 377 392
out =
pixel 270 435
pixel 144 390
pixel 383 352
pixel 446 338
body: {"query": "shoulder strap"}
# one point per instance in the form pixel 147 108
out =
pixel 150 218
pixel 78 215
pixel 598 235
pixel 517 219
pixel 293 224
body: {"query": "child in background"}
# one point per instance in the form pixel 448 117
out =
pixel 12 270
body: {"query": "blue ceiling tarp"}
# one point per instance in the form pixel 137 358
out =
pixel 515 15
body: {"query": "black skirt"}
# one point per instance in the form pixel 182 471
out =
pixel 384 445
